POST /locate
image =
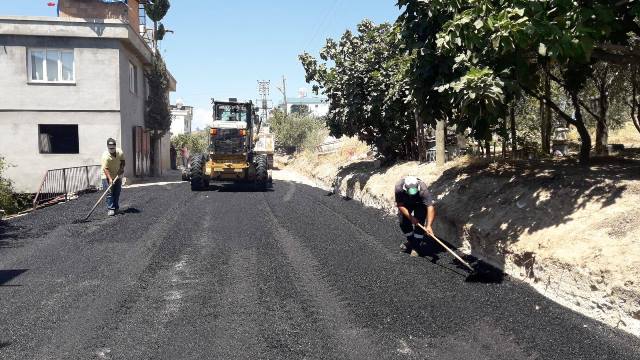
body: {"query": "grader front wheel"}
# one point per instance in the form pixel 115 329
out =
pixel 199 180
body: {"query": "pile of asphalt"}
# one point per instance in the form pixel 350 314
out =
pixel 288 273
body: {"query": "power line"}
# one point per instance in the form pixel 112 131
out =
pixel 330 12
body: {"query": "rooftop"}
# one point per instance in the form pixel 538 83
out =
pixel 307 101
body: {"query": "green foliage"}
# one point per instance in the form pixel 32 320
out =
pixel 466 62
pixel 196 142
pixel 158 114
pixel 521 40
pixel 364 76
pixel 6 189
pixel 296 131
pixel 157 10
pixel 11 202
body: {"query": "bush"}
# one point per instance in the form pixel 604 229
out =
pixel 297 131
pixel 197 142
pixel 10 202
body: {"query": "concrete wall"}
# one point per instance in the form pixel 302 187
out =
pixel 99 101
pixel 92 102
pixel 165 150
pixel 318 110
pixel 132 110
pixel 181 122
pixel 132 106
pixel 96 72
pixel 19 143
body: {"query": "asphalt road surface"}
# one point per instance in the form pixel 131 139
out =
pixel 286 274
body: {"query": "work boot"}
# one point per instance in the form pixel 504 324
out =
pixel 408 245
pixel 111 213
pixel 415 247
pixel 405 247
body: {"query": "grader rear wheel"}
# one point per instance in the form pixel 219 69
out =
pixel 262 171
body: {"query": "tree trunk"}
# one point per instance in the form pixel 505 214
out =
pixel 545 115
pixel 487 148
pixel 602 129
pixel 422 153
pixel 585 138
pixel 441 137
pixel 514 144
pixel 635 117
pixel 504 138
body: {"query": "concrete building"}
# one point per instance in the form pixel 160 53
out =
pixel 181 118
pixel 66 85
pixel 316 106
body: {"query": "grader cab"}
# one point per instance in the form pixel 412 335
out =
pixel 231 154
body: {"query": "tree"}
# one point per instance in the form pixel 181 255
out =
pixel 634 100
pixel 522 41
pixel 157 115
pixel 156 11
pixel 197 142
pixel 295 131
pixel 429 69
pixel 364 77
pixel 605 87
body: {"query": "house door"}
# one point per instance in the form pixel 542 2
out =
pixel 142 149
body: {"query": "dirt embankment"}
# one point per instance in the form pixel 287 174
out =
pixel 572 233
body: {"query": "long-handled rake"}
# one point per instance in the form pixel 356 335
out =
pixel 447 248
pixel 479 273
pixel 100 200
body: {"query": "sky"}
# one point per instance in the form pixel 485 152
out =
pixel 221 49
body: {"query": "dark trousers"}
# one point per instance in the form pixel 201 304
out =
pixel 113 196
pixel 419 212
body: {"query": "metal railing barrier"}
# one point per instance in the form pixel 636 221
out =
pixel 61 184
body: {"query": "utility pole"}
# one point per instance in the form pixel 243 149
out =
pixel 284 93
pixel 263 89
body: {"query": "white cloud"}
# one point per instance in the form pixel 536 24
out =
pixel 201 118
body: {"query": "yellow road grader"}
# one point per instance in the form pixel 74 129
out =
pixel 236 151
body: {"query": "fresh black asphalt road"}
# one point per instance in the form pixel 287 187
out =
pixel 286 274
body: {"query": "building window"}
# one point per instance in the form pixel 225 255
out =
pixel 51 66
pixel 133 77
pixel 58 139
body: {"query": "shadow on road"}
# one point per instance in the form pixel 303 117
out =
pixel 8 275
pixel 10 235
pixel 238 188
pixel 484 273
pixel 130 210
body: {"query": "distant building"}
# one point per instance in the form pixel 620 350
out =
pixel 315 106
pixel 68 84
pixel 181 118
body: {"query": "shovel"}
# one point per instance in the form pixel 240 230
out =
pixel 99 200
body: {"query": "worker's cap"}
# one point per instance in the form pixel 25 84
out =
pixel 111 142
pixel 411 185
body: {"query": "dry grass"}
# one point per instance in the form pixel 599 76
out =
pixel 628 135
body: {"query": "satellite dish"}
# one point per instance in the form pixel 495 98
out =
pixel 179 103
